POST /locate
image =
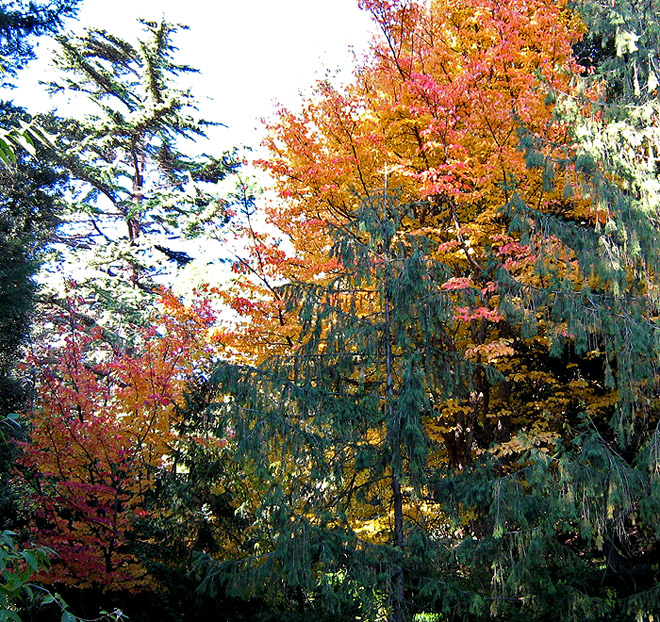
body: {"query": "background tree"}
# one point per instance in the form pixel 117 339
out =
pixel 29 203
pixel 29 191
pixel 20 22
pixel 137 196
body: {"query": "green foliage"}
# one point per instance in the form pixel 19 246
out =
pixel 137 197
pixel 24 138
pixel 19 596
pixel 21 21
pixel 621 46
pixel 17 567
pixel 29 204
pixel 334 431
pixel 28 197
pixel 29 194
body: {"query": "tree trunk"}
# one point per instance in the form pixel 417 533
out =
pixel 397 495
pixel 398 612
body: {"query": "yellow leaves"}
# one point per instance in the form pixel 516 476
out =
pixel 600 405
pixel 518 378
pixel 439 114
pixel 377 530
pixel 452 407
pixel 544 441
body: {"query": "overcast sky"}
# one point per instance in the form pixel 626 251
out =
pixel 251 53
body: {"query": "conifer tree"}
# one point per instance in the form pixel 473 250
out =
pixel 29 197
pixel 21 21
pixel 137 196
pixel 29 192
pixel 335 427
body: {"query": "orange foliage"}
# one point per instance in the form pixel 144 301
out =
pixel 102 428
pixel 439 108
pixel 437 114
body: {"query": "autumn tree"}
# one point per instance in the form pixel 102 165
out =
pixel 102 429
pixel 458 391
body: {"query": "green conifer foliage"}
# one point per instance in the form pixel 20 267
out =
pixel 335 430
pixel 21 21
pixel 30 192
pixel 137 195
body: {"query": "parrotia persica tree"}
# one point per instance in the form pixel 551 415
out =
pixel 102 431
pixel 137 195
pixel 448 390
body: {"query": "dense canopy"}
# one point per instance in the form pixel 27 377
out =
pixel 428 387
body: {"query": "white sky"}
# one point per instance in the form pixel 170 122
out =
pixel 252 53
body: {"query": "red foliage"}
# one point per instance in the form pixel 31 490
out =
pixel 102 428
